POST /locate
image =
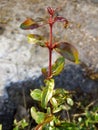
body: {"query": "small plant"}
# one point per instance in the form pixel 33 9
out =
pixel 51 100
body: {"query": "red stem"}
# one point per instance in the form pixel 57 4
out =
pixel 50 48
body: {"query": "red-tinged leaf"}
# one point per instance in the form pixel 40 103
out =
pixel 50 11
pixel 29 24
pixel 68 51
pixel 66 24
pixel 60 19
pixel 36 39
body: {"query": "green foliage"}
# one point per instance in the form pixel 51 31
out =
pixel 90 119
pixel 20 125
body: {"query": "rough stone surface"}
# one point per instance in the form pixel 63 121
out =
pixel 20 61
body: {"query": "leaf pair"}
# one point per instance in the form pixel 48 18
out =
pixel 30 24
pixel 67 50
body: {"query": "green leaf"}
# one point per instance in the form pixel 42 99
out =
pixel 47 92
pixel 39 117
pixel 96 116
pixel 16 128
pixel 61 91
pixel 44 72
pixel 20 124
pixel 61 107
pixel 70 101
pixel 36 39
pixel 68 126
pixel 58 66
pixel 57 109
pixel 49 83
pixel 29 24
pixel 36 94
pixel 68 51
pixel 53 102
pixel 24 123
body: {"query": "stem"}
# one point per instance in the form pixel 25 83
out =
pixel 50 48
pixel 50 63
